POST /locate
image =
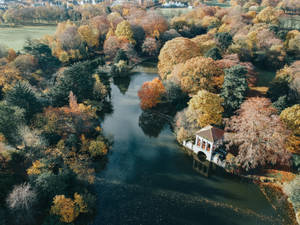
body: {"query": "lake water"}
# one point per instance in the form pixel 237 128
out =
pixel 15 37
pixel 149 180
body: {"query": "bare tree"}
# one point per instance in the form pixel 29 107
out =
pixel 21 202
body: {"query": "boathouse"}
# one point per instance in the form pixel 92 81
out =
pixel 207 144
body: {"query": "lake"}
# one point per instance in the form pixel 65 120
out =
pixel 15 37
pixel 149 180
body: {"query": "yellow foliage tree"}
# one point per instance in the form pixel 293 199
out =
pixel 68 209
pixel 205 108
pixel 90 35
pixel 124 31
pixel 36 168
pixel 175 51
pixel 64 208
pixel 9 75
pixel 196 74
pixel 267 15
pixel 291 117
pixel 79 201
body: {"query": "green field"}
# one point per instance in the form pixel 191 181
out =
pixel 15 37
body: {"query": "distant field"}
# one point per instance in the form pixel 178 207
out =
pixel 15 37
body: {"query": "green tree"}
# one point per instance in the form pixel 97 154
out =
pixel 224 39
pixel 10 118
pixel 234 88
pixel 121 55
pixel 79 79
pixel 43 54
pixel 22 96
pixel 213 53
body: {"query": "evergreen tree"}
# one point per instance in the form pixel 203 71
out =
pixel 121 55
pixel 10 118
pixel 224 39
pixel 22 96
pixel 46 61
pixel 234 88
pixel 79 79
pixel 213 53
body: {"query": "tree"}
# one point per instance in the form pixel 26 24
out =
pixel 98 148
pixel 26 64
pixel 21 202
pixel 10 118
pixel 151 46
pixel 259 135
pixel 67 209
pixel 23 96
pixel 79 79
pixel 121 55
pixel 234 88
pixel 176 51
pixel 204 109
pixel 90 35
pixel 154 24
pixel 9 76
pixel 43 54
pixel 214 53
pixel 224 40
pixel 124 31
pixel 197 73
pixel 291 117
pixel 64 208
pixel 151 93
pixel 111 46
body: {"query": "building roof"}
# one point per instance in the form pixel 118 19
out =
pixel 210 133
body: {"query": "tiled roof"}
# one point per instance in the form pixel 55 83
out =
pixel 211 133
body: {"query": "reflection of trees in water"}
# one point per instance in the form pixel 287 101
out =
pixel 122 83
pixel 107 109
pixel 151 123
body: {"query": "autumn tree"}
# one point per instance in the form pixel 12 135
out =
pixel 90 35
pixel 124 31
pixel 154 24
pixel 111 46
pixel 234 88
pixel 9 76
pixel 151 46
pixel 151 93
pixel 259 135
pixel 178 50
pixel 196 74
pixel 291 117
pixel 65 208
pixel 68 209
pixel 204 109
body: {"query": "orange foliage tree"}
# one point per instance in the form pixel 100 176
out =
pixel 198 73
pixel 175 51
pixel 151 93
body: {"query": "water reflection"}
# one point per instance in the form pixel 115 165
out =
pixel 151 123
pixel 122 83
